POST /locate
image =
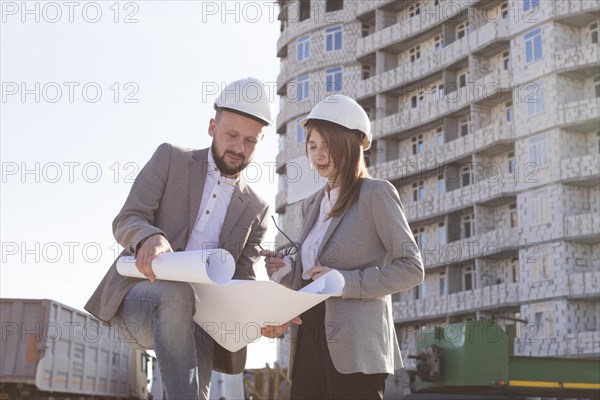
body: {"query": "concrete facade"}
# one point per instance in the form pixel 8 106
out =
pixel 485 117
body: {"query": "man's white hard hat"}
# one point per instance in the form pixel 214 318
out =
pixel 343 111
pixel 247 96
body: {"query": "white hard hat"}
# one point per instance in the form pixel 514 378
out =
pixel 248 96
pixel 343 111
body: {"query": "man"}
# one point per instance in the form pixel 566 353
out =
pixel 188 200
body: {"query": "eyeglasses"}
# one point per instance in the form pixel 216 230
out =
pixel 291 248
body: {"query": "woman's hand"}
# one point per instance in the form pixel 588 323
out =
pixel 273 261
pixel 272 331
pixel 318 271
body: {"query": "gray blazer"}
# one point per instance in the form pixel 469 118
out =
pixel 165 199
pixel 372 246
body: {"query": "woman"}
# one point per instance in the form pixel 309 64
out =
pixel 346 346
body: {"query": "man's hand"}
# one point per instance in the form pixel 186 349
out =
pixel 149 250
pixel 273 261
pixel 272 331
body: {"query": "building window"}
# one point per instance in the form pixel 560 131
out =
pixel 534 98
pixel 415 53
pixel 334 5
pixel 533 46
pixel 468 278
pixel 597 85
pixel 418 191
pixel 544 323
pixel 303 47
pixel 543 267
pixel 439 136
pixel 530 4
pixel 594 33
pixel 417 292
pixel 304 9
pixel 461 30
pixel 333 79
pixel 462 79
pixel 333 38
pixel 417 144
pixel 300 132
pixel 539 208
pixel 504 10
pixel 467 226
pixel 464 126
pixel 303 88
pixel 438 91
pixel 598 139
pixel 442 240
pixel 538 150
pixel 466 175
pixel 414 9
pixel 512 209
pixel 515 270
pixel 441 184
pixel 419 236
pixel 512 164
pixel 506 60
pixel 366 29
pixel 437 43
pixel 366 71
pixel 442 283
pixel 509 111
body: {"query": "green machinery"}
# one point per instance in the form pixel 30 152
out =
pixel 477 357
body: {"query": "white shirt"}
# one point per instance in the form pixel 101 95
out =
pixel 216 198
pixel 312 243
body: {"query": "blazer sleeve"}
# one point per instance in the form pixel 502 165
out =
pixel 135 222
pixel 244 268
pixel 406 268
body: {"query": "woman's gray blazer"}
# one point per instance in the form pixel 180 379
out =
pixel 372 246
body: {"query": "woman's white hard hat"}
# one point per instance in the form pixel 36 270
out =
pixel 248 96
pixel 344 111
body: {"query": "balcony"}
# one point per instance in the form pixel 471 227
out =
pixel 578 58
pixel 584 285
pixel 458 199
pixel 410 118
pixel 427 65
pixel 484 245
pixel 487 297
pixel 408 28
pixel 582 170
pixel 480 140
pixel 364 6
pixel 582 227
pixel 571 9
pixel 582 114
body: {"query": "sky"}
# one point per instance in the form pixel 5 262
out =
pixel 89 90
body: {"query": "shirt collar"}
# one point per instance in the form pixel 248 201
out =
pixel 213 169
pixel 331 195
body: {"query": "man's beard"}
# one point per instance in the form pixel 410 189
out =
pixel 223 168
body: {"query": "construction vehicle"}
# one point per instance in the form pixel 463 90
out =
pixel 477 358
pixel 50 350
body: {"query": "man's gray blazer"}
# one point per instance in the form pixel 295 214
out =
pixel 372 246
pixel 165 199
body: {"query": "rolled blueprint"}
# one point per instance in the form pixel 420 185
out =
pixel 197 266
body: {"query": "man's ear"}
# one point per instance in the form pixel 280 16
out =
pixel 212 127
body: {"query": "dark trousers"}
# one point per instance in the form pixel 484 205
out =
pixel 315 377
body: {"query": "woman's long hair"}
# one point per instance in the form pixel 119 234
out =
pixel 346 152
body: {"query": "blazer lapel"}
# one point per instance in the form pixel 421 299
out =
pixel 311 215
pixel 198 167
pixel 333 224
pixel 239 201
